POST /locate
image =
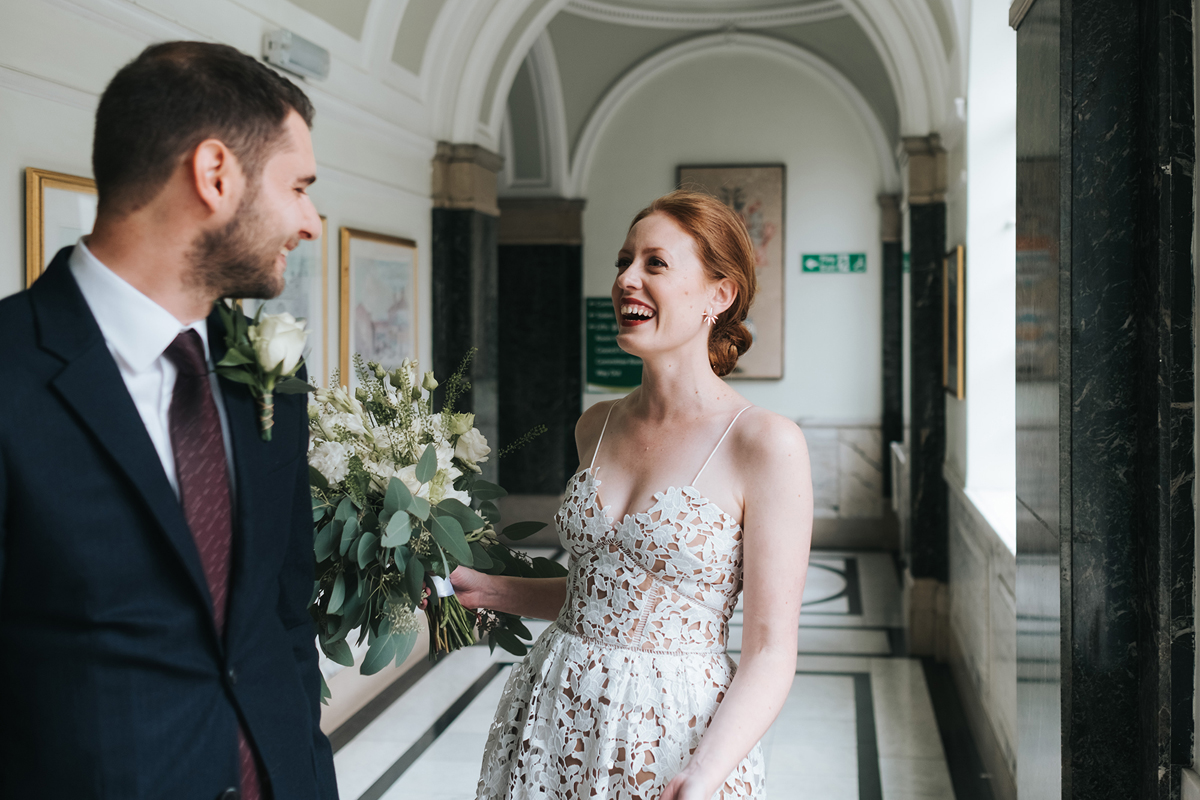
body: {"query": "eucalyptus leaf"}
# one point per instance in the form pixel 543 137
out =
pixel 518 628
pixel 545 568
pixel 404 645
pixel 316 479
pixel 325 693
pixel 323 543
pixel 509 642
pixel 469 520
pixel 398 531
pixel 427 466
pixel 349 535
pixel 490 511
pixel 367 521
pixel 339 653
pixel 398 497
pixel 414 580
pixel 487 491
pixel 479 558
pixel 368 548
pixel 379 654
pixel 449 534
pixel 400 556
pixel 233 358
pixel 420 508
pixel 337 594
pixel 345 509
pixel 522 530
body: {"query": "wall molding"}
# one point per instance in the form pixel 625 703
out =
pixel 46 89
pixel 651 67
pixel 618 14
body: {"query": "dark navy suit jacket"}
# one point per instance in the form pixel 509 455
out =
pixel 115 682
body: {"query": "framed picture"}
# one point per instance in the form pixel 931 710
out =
pixel 378 300
pixel 953 327
pixel 306 296
pixel 756 193
pixel 58 210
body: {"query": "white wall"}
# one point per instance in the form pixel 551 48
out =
pixel 56 58
pixel 741 105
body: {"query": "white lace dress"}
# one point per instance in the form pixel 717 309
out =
pixel 613 698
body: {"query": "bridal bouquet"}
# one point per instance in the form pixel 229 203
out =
pixel 398 504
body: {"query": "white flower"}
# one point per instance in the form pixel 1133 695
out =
pixel 429 383
pixel 472 449
pixel 409 476
pixel 462 497
pixel 343 419
pixel 330 459
pixel 278 339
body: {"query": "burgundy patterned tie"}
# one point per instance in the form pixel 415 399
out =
pixel 203 476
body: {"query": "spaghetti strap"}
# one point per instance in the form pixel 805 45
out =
pixel 715 449
pixel 596 452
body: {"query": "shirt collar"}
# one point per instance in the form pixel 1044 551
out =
pixel 137 329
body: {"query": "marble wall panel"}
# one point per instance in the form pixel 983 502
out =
pixel 860 473
pixel 823 461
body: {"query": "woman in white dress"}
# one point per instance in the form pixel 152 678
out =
pixel 631 694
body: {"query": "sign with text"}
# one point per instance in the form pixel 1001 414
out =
pixel 609 368
pixel 834 262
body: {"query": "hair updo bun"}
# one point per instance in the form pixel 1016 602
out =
pixel 724 247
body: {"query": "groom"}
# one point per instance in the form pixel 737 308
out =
pixel 155 553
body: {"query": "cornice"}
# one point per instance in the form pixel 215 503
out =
pixel 795 14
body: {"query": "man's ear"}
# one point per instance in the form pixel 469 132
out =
pixel 724 293
pixel 216 176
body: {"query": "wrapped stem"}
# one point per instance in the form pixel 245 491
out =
pixel 266 415
pixel 451 626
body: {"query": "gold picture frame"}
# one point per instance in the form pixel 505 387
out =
pixel 378 299
pixel 953 322
pixel 299 300
pixel 57 222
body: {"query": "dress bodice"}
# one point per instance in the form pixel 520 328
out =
pixel 665 580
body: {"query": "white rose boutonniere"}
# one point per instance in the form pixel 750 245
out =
pixel 264 353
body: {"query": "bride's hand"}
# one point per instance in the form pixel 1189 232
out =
pixel 686 787
pixel 470 587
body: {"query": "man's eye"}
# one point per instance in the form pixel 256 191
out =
pixel 622 263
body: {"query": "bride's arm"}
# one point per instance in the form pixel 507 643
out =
pixel 539 598
pixel 776 535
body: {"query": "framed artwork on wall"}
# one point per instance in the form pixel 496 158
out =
pixel 59 209
pixel 756 193
pixel 953 323
pixel 378 300
pixel 306 296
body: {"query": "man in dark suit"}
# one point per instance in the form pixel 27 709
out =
pixel 155 552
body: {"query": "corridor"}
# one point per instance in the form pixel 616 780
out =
pixel 858 724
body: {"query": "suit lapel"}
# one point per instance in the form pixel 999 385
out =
pixel 91 384
pixel 248 451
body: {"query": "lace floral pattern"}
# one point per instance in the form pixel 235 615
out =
pixel 613 698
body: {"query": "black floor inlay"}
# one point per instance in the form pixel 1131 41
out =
pixel 870 786
pixel 967 772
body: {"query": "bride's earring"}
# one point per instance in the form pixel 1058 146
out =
pixel 710 317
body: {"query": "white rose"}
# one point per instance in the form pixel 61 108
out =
pixel 330 459
pixel 278 339
pixel 472 449
pixel 462 497
pixel 461 423
pixel 409 476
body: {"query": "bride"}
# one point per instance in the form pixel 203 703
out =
pixel 631 694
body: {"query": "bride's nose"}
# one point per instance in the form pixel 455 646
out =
pixel 630 277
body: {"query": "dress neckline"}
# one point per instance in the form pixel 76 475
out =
pixel 598 505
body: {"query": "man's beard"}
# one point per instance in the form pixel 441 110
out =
pixel 239 259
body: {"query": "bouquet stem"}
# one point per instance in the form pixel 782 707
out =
pixel 266 415
pixel 451 626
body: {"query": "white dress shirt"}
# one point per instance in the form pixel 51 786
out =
pixel 138 331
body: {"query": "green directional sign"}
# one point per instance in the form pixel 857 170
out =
pixel 833 262
pixel 609 368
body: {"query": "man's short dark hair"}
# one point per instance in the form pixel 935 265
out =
pixel 173 96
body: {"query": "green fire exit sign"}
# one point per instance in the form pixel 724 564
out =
pixel 833 262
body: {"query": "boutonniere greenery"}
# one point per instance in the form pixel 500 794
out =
pixel 264 353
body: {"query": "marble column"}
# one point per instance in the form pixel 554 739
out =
pixel 540 344
pixel 893 333
pixel 465 277
pixel 927 573
pixel 1125 389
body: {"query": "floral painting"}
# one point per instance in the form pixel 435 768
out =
pixel 379 299
pixel 756 193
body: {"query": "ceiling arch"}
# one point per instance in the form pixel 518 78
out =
pixel 580 166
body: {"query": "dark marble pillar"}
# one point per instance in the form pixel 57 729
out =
pixel 465 278
pixel 893 332
pixel 1126 393
pixel 927 442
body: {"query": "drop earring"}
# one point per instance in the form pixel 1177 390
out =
pixel 710 317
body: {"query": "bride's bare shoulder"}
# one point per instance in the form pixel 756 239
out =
pixel 587 429
pixel 768 440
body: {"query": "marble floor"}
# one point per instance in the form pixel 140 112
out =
pixel 858 723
